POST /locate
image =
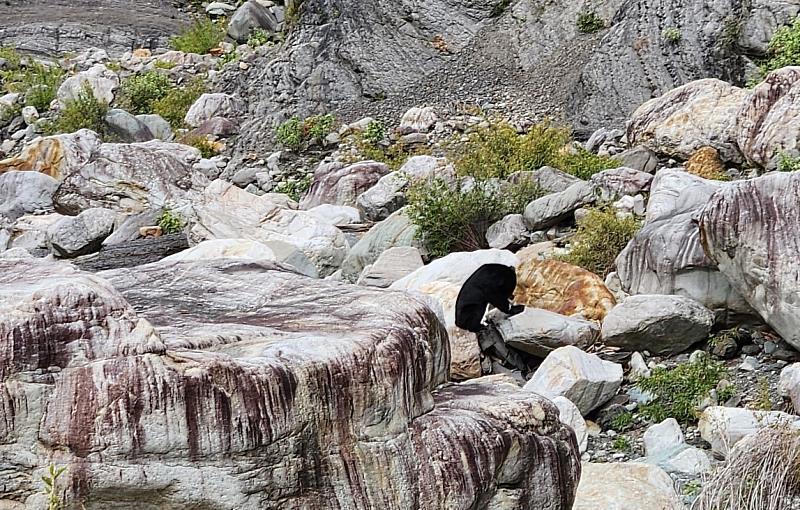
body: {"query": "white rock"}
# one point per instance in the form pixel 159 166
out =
pixel 393 264
pixel 336 214
pixel 789 384
pixel 510 231
pixel 584 378
pixel 30 115
pixel 570 415
pixel 214 105
pixel 625 486
pixel 639 368
pixel 723 427
pixel 454 268
pixel 663 439
pixel 100 80
pixel 25 192
pixel 687 461
pixel 418 120
pixel 77 235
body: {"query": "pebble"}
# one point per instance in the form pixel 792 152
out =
pixel 750 364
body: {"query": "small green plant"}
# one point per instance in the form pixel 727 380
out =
pixel 692 488
pixel 11 56
pixel 51 487
pixel 292 13
pixel 622 421
pixel 375 132
pixel 678 391
pixel 84 112
pixel 589 22
pixel 139 92
pixel 783 49
pixel 114 65
pixel 36 81
pixel 170 222
pixel 8 114
pixel 258 37
pixel 207 148
pixel 164 64
pixel 787 163
pixel 229 57
pixel 297 135
pixel 600 237
pixel 672 35
pixel 763 400
pixel 201 37
pixel 294 187
pixel 584 164
pixel 621 444
pixel 174 105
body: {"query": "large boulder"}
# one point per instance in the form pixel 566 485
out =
pixel 723 427
pixel 539 332
pixel 659 324
pixel 749 229
pixel 551 209
pixel 393 264
pixel 25 192
pixel 509 232
pixel 584 378
pixel 666 256
pixel 57 155
pixel 768 123
pixel 570 416
pixel 615 183
pixel 340 184
pixel 78 235
pixel 789 384
pixel 454 268
pixel 224 211
pixel 417 120
pixel 209 106
pixel 562 288
pixel 698 114
pixel 250 16
pixel 99 80
pixel 331 384
pixel 626 486
pixel 126 127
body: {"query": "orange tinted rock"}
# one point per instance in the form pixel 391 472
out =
pixel 562 288
pixel 142 53
pixel 54 154
pixel 706 163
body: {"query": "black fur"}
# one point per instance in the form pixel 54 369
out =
pixel 490 284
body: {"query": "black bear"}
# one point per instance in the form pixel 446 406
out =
pixel 490 284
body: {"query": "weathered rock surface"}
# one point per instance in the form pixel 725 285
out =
pixel 552 209
pixel 254 405
pixel 723 427
pixel 417 120
pixel 658 324
pixel 551 180
pixel 99 80
pixel 391 265
pixel 570 415
pixel 789 384
pixel 767 123
pixel 225 211
pixel 628 486
pixel 454 268
pixel 698 114
pixel 749 229
pixel 396 230
pixel 539 332
pixel 213 105
pixel 77 235
pixel 340 184
pixel 25 192
pixel 665 446
pixel 615 183
pixel 562 288
pixel 583 378
pixel 126 127
pixel 55 155
pixel 250 16
pixel 510 232
pixel 666 256
pixel 337 215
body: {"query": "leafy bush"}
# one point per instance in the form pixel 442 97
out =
pixel 450 218
pixel 164 64
pixel 622 421
pixel 589 22
pixel 297 135
pixel 584 164
pixel 207 148
pixel 672 35
pixel 140 91
pixel 601 236
pixel 783 49
pixel 294 187
pixel 678 391
pixel 36 81
pixel 84 112
pixel 621 444
pixel 170 222
pixel 375 132
pixel 498 151
pixel 258 37
pixel 788 163
pixel 201 37
pixel 174 105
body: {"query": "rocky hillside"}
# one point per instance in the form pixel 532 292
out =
pixel 233 235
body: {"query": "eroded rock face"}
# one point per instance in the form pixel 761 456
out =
pixel 700 113
pixel 56 155
pixel 98 79
pixel 340 184
pixel 25 192
pixel 276 392
pixel 749 229
pixel 626 486
pixel 562 288
pixel 225 211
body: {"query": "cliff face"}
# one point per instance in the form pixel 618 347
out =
pixel 52 27
pixel 378 58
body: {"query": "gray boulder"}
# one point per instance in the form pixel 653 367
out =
pixel 539 332
pixel 209 106
pixel 661 325
pixel 100 80
pixel 391 265
pixel 250 16
pixel 552 209
pixel 126 127
pixel 25 192
pixel 340 184
pixel 619 182
pixel 510 232
pixel 551 180
pixel 159 127
pixel 78 235
pixel 639 158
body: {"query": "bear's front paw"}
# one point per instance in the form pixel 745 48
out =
pixel 515 309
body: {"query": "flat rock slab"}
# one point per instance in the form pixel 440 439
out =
pixel 240 385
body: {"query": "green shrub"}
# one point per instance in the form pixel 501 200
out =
pixel 51 490
pixel 292 14
pixel 678 391
pixel 207 148
pixel 297 135
pixel 174 105
pixel 622 421
pixel 140 91
pixel 601 236
pixel 375 132
pixel 36 81
pixel 170 222
pixel 621 444
pixel 584 164
pixel 164 64
pixel 783 49
pixel 11 56
pixel 202 36
pixel 672 35
pixel 294 187
pixel 589 22
pixel 258 37
pixel 788 163
pixel 498 151
pixel 84 112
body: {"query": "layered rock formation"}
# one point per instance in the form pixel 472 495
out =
pixel 240 385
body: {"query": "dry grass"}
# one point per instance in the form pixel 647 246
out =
pixel 762 473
